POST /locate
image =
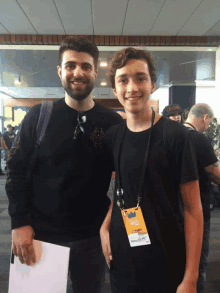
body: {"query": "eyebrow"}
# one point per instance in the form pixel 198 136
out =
pixel 74 62
pixel 125 75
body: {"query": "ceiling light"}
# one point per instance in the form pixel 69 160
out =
pixel 103 83
pixel 103 64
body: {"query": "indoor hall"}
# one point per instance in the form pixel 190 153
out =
pixel 185 47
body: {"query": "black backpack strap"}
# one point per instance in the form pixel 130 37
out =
pixel 43 121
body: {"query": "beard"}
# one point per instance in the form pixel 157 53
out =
pixel 78 94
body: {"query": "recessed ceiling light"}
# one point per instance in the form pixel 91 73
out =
pixel 103 64
pixel 103 83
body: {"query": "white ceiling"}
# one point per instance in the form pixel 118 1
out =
pixel 110 17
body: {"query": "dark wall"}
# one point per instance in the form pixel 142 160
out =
pixel 182 95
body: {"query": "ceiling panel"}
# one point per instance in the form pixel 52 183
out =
pixel 214 31
pixel 43 15
pixel 173 16
pixel 146 12
pixel 76 16
pixel 3 30
pixel 108 16
pixel 14 19
pixel 207 14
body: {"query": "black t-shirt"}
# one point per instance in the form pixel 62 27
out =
pixel 9 138
pixel 160 204
pixel 68 199
pixel 205 156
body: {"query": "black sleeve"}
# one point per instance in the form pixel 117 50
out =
pixel 182 153
pixel 204 150
pixel 17 186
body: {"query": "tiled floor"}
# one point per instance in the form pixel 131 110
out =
pixel 213 273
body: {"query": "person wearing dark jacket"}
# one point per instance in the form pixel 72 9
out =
pixel 7 141
pixel 1 148
pixel 198 121
pixel 66 201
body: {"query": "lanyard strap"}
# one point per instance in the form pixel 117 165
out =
pixel 190 125
pixel 119 191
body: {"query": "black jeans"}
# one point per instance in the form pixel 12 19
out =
pixel 86 265
pixel 204 256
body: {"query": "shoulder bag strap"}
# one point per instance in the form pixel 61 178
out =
pixel 43 121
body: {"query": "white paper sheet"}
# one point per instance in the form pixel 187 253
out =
pixel 48 275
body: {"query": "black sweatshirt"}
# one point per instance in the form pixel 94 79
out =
pixel 67 197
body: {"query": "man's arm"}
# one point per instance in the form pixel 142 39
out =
pixel 18 192
pixel 193 227
pixel 104 234
pixel 214 172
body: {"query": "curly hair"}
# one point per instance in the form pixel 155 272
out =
pixel 80 45
pixel 121 58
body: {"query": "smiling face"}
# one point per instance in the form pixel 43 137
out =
pixel 77 74
pixel 133 85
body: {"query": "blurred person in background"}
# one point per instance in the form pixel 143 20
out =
pixel 7 141
pixel 199 118
pixel 174 112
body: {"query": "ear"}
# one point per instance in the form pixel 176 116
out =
pixel 96 73
pixel 153 88
pixel 115 92
pixel 205 117
pixel 59 71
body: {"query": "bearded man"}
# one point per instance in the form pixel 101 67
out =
pixel 67 201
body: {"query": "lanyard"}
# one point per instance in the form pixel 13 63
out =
pixel 120 191
pixel 190 125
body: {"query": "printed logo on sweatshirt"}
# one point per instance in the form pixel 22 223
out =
pixel 97 136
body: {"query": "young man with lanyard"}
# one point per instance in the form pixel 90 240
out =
pixel 198 121
pixel 147 243
pixel 66 200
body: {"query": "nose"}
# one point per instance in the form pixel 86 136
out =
pixel 78 72
pixel 132 86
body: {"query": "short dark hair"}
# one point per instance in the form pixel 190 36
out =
pixel 121 58
pixel 79 44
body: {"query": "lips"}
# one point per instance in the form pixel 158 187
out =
pixel 133 98
pixel 77 82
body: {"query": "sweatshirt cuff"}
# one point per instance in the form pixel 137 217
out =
pixel 17 223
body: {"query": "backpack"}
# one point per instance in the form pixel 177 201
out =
pixel 43 121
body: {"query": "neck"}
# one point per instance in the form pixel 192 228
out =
pixel 82 105
pixel 193 123
pixel 139 121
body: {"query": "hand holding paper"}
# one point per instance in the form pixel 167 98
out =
pixel 48 274
pixel 22 244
